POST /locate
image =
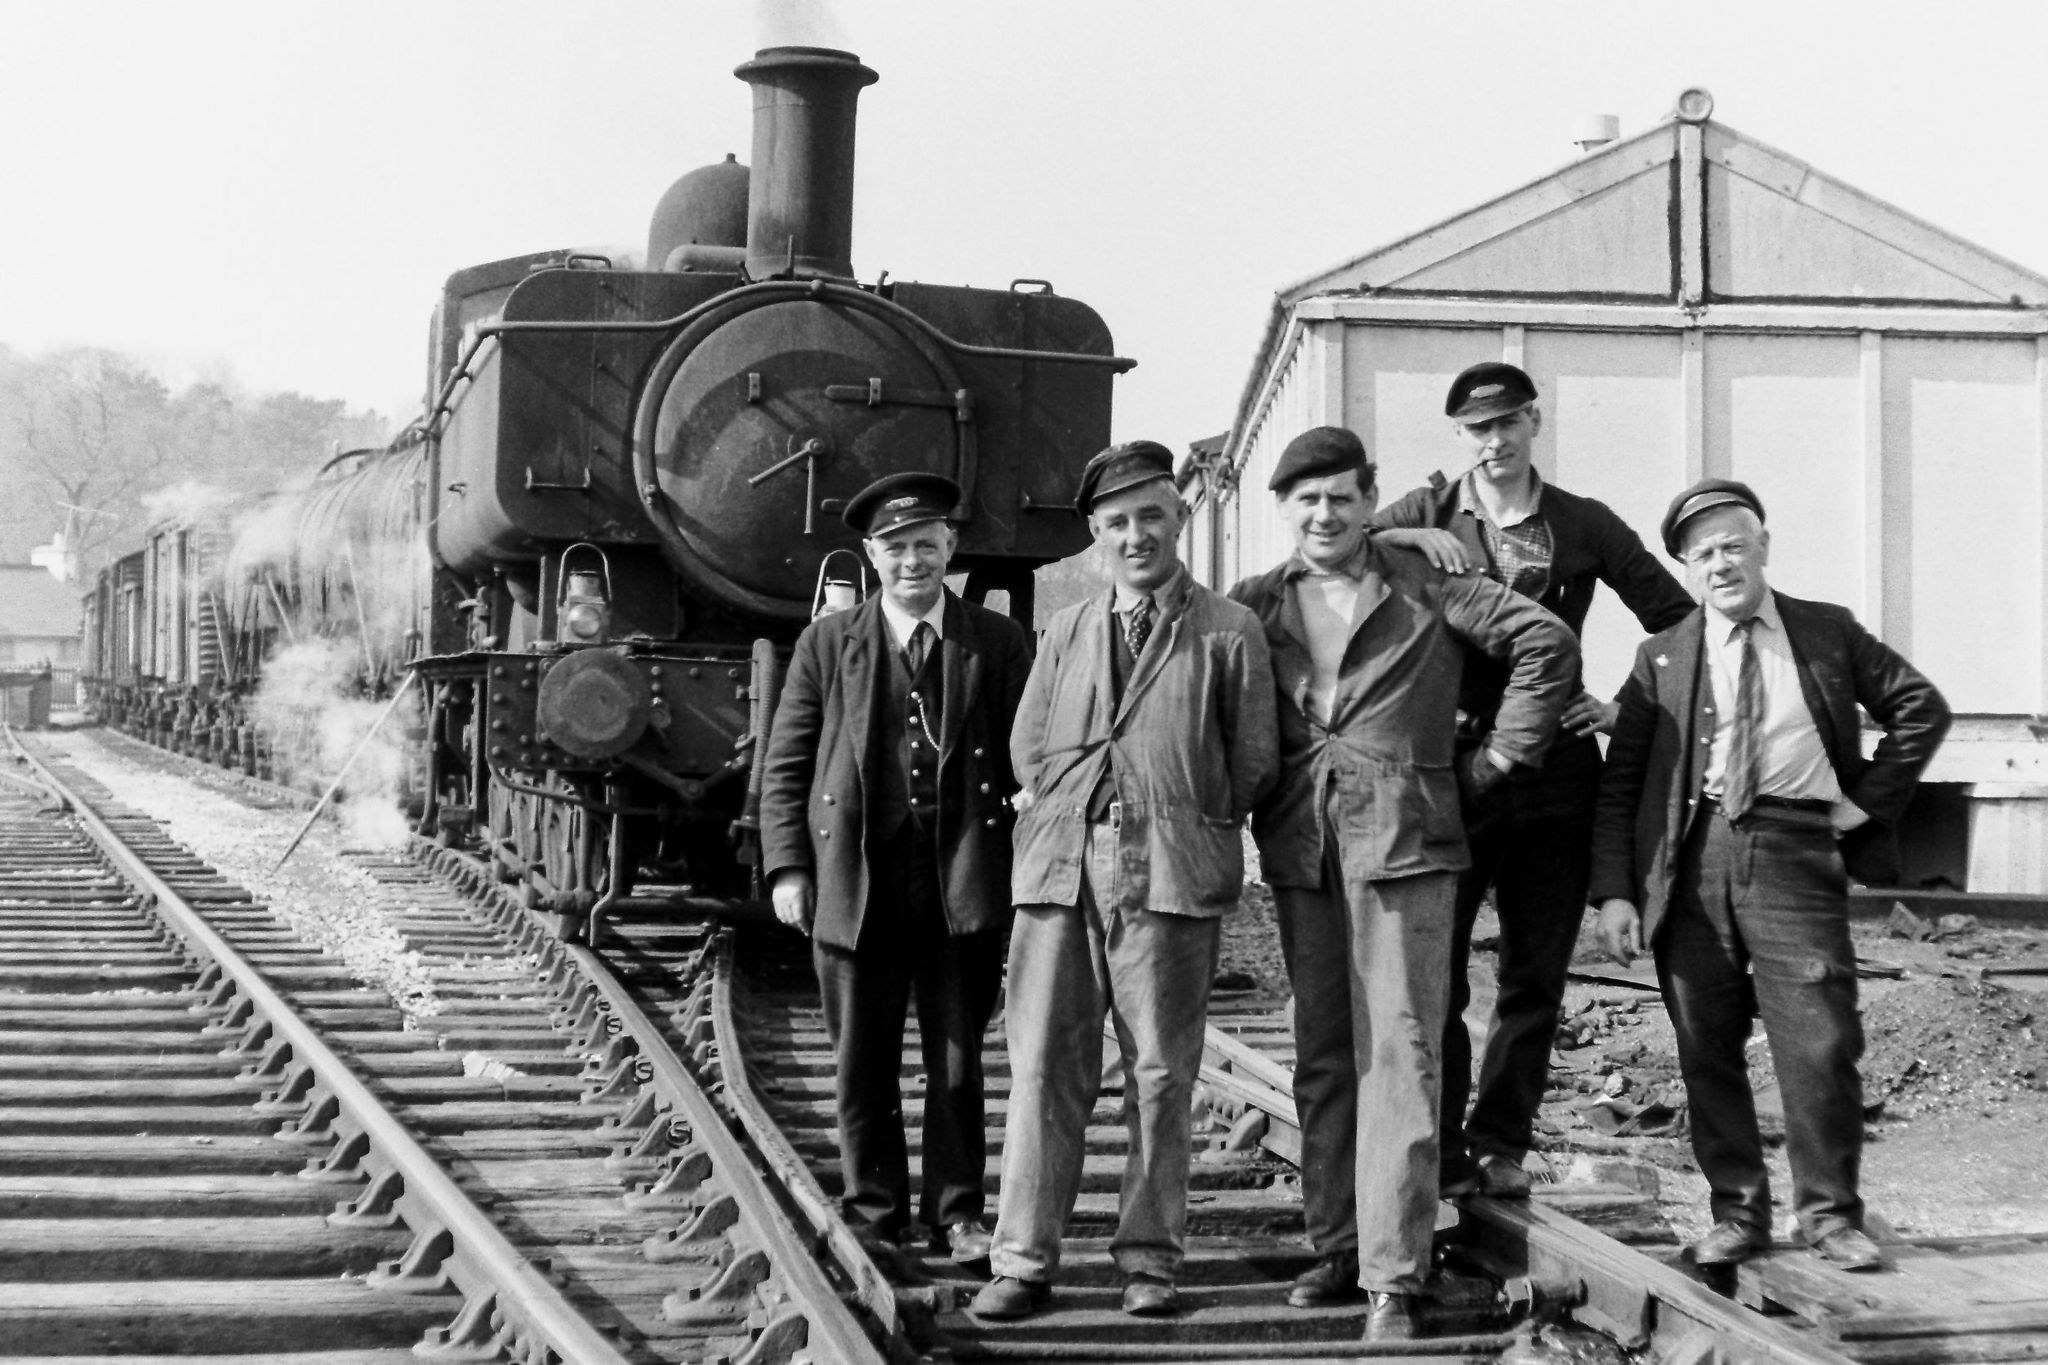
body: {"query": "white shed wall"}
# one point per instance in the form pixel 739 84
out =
pixel 1965 419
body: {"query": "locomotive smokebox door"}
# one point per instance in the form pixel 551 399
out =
pixel 594 704
pixel 770 419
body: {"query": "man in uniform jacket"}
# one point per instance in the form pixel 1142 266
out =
pixel 1144 737
pixel 1532 839
pixel 885 833
pixel 1362 843
pixel 1735 804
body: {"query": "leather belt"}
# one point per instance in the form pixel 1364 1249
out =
pixel 1799 810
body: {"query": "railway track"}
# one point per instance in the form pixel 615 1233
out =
pixel 700 1055
pixel 217 1145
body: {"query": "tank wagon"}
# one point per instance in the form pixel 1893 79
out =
pixel 622 499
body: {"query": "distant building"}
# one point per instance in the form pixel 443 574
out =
pixel 39 618
pixel 1693 302
pixel 58 557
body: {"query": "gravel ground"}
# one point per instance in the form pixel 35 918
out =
pixel 318 893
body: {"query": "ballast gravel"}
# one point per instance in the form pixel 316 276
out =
pixel 319 893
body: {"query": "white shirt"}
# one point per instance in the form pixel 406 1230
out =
pixel 902 623
pixel 1792 762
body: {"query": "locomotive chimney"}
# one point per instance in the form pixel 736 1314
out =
pixel 800 202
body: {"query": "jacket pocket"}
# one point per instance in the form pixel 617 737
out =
pixel 1197 860
pixel 1046 863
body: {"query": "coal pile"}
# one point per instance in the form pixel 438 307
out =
pixel 1948 1045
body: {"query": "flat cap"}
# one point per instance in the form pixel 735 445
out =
pixel 1317 452
pixel 897 500
pixel 1488 390
pixel 1120 467
pixel 1704 496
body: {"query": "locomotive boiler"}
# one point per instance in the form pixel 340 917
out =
pixel 632 484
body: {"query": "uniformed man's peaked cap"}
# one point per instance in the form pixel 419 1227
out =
pixel 1120 467
pixel 897 500
pixel 1488 390
pixel 1704 496
pixel 1318 452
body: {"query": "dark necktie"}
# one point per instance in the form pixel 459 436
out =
pixel 920 646
pixel 1138 627
pixel 1745 739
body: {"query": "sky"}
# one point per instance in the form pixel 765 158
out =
pixel 273 192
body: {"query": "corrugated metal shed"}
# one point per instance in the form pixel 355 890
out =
pixel 1693 302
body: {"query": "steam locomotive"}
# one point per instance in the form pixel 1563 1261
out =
pixel 619 507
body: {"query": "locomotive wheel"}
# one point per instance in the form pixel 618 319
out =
pixel 515 831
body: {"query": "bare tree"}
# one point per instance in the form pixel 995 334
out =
pixel 94 431
pixel 90 440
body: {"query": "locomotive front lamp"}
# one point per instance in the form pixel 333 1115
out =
pixel 835 591
pixel 584 608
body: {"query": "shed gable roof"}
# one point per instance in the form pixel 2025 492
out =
pixel 1613 224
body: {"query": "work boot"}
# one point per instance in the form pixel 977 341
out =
pixel 1389 1316
pixel 1332 1279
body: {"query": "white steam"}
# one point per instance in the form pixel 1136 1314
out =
pixel 800 23
pixel 313 712
pixel 186 500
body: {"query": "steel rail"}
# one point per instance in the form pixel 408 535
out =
pixel 1607 1286
pixel 483 1263
pixel 836 1335
pixel 26 786
pixel 782 1159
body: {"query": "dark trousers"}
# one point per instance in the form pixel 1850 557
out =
pixel 1759 923
pixel 1538 865
pixel 906 953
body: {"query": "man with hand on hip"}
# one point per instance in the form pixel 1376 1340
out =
pixel 1735 804
pixel 1532 838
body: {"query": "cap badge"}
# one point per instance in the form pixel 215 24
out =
pixel 896 503
pixel 1488 390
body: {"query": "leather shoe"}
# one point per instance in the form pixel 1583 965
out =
pixel 965 1242
pixel 1502 1177
pixel 1848 1248
pixel 1332 1279
pixel 1006 1296
pixel 1729 1243
pixel 1389 1316
pixel 1149 1296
